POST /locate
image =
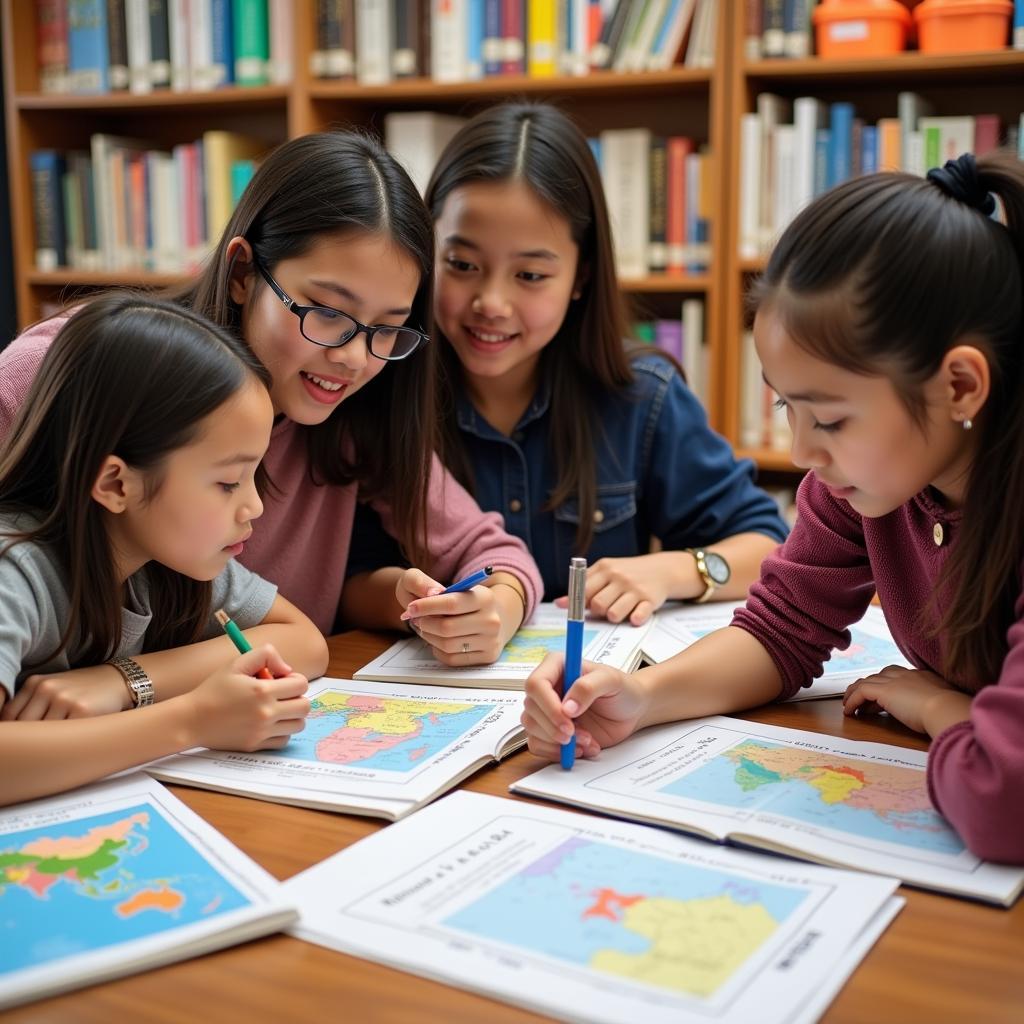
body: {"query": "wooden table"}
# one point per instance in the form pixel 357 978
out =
pixel 942 959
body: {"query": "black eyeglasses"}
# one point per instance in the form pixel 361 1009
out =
pixel 331 328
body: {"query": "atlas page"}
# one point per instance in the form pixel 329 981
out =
pixel 376 749
pixel 871 648
pixel 118 878
pixel 410 660
pixel 592 920
pixel 818 797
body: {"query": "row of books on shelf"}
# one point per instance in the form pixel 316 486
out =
pixel 377 41
pixel 658 189
pixel 764 424
pixel 683 339
pixel 124 206
pixel 791 152
pixel 138 46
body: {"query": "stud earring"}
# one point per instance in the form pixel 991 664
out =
pixel 967 424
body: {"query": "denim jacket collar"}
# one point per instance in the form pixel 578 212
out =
pixel 472 422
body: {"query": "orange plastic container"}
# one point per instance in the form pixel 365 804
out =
pixel 860 28
pixel 963 26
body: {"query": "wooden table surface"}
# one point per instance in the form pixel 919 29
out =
pixel 942 959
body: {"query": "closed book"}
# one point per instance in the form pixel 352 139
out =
pixel 281 66
pixel 374 41
pixel 223 48
pixel 890 144
pixel 491 50
pixel 416 139
pixel 678 147
pixel 513 33
pixel 602 52
pixel 88 57
pixel 220 150
pixel 47 170
pixel 178 17
pixel 52 45
pixel 668 43
pixel 249 22
pixel 840 164
pixel 657 246
pixel 159 45
pixel 407 56
pixel 869 149
pixel 668 336
pixel 986 133
pixel 117 46
pixel 136 14
pixel 541 38
pixel 625 159
pixel 448 38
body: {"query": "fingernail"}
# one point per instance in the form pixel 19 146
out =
pixel 405 616
pixel 435 591
pixel 570 707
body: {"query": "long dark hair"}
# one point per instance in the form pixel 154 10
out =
pixel 131 376
pixel 325 184
pixel 540 146
pixel 883 275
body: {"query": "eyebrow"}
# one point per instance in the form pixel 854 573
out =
pixel 805 396
pixel 342 292
pixel 232 459
pixel 528 254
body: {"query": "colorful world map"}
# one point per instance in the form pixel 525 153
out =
pixel 531 645
pixel 382 733
pixel 852 795
pixel 635 916
pixel 99 881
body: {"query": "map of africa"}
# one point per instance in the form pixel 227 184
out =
pixel 383 733
pixel 101 880
pixel 862 798
pixel 636 916
pixel 532 644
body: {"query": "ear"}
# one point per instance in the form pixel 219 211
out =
pixel 582 277
pixel 240 270
pixel 116 485
pixel 967 381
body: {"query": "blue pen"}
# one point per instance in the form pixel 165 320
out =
pixel 470 581
pixel 574 641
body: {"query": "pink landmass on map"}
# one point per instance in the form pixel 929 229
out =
pixel 348 744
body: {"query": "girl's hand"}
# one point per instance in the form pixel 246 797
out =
pixel 233 710
pixel 905 693
pixel 633 588
pixel 603 707
pixel 78 693
pixel 470 627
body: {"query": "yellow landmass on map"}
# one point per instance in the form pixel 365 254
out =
pixel 696 945
pixel 835 787
pixel 397 717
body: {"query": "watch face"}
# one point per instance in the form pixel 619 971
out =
pixel 717 566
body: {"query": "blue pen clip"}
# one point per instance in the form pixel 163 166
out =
pixel 574 641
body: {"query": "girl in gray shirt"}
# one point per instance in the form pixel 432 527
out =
pixel 127 488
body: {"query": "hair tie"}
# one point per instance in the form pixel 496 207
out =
pixel 959 179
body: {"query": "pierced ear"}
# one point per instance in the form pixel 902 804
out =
pixel 240 269
pixel 115 485
pixel 968 381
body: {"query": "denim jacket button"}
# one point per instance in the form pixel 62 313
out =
pixel 598 516
pixel 515 505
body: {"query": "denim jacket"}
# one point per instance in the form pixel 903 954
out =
pixel 661 472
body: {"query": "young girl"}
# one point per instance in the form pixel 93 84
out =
pixel 324 271
pixel 123 503
pixel 891 323
pixel 585 445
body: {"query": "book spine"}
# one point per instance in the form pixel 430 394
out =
pixel 474 40
pixel 405 57
pixel 223 43
pixel 678 148
pixel 281 62
pixel 251 41
pixel 657 246
pixel 52 45
pixel 88 59
pixel 492 46
pixel 159 45
pixel 542 35
pixel 869 149
pixel 841 157
pixel 750 185
pixel 752 11
pixel 1018 24
pixel 47 170
pixel 773 30
pixel 373 41
pixel 178 17
pixel 117 46
pixel 340 40
pixel 136 14
pixel 200 46
pixel 513 17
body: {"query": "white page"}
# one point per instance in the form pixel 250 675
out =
pixel 861 805
pixel 366 747
pixel 871 648
pixel 544 632
pixel 116 878
pixel 588 919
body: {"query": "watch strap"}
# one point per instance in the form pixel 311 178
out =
pixel 140 686
pixel 710 586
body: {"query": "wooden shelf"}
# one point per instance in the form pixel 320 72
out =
pixel 666 283
pixel 257 97
pixel 127 278
pixel 600 83
pixel 769 459
pixel 906 68
pixel 752 264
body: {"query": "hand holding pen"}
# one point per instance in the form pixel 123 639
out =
pixel 574 643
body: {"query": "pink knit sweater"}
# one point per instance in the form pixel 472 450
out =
pixel 821 580
pixel 301 542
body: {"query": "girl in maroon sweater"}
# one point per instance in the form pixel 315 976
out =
pixel 890 322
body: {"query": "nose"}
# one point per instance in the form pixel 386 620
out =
pixel 252 507
pixel 805 452
pixel 353 355
pixel 491 302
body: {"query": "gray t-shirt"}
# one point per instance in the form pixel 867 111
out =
pixel 34 609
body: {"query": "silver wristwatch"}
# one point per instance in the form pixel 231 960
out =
pixel 140 686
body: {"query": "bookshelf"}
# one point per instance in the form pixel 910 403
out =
pixel 961 83
pixel 680 100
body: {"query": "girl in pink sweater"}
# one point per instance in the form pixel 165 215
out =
pixel 890 321
pixel 324 270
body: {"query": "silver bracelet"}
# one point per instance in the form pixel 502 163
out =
pixel 140 686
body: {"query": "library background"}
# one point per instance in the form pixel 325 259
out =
pixel 132 126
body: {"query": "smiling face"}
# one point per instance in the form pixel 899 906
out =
pixel 507 269
pixel 205 499
pixel 856 433
pixel 365 275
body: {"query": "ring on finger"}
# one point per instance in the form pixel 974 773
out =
pixel 465 647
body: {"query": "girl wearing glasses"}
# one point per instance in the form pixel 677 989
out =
pixel 324 271
pixel 587 446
